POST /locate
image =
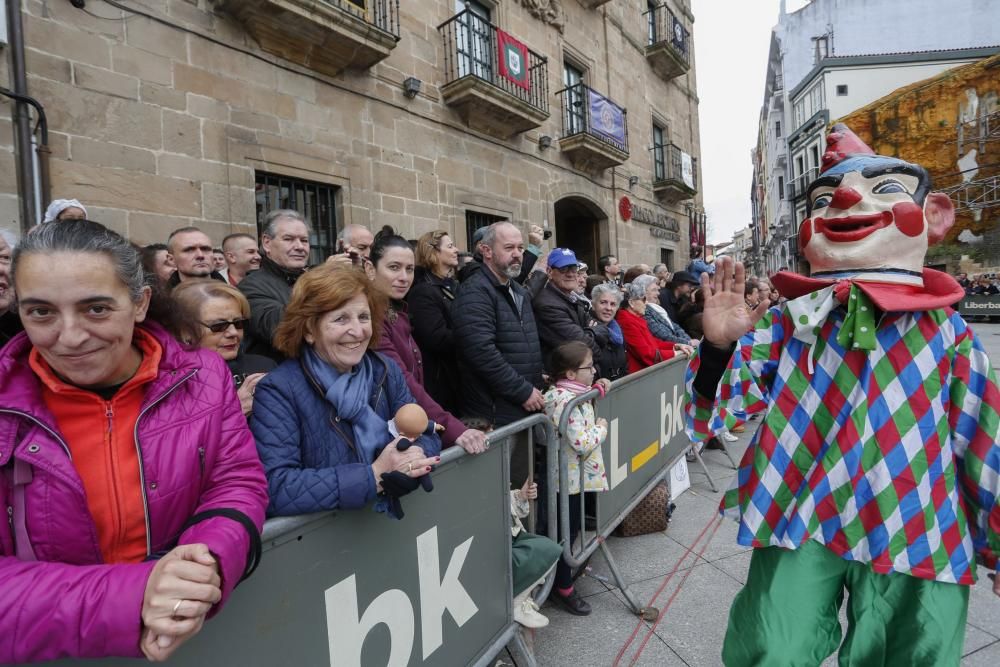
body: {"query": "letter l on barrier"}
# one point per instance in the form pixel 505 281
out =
pixel 347 633
pixel 618 473
pixel 437 594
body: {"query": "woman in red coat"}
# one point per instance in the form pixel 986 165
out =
pixel 641 347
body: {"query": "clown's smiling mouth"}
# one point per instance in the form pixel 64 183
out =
pixel 852 228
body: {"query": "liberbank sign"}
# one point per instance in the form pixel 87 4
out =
pixel 661 225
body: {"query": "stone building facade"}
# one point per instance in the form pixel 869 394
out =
pixel 420 115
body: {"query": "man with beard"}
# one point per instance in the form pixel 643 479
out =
pixel 10 323
pixel 499 352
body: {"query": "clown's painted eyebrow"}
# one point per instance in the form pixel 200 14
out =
pixel 826 182
pixel 882 170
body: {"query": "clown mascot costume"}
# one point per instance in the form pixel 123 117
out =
pixel 876 469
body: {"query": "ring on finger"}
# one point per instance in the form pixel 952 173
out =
pixel 409 467
pixel 176 607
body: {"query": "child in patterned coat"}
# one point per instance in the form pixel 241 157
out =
pixel 572 367
pixel 876 470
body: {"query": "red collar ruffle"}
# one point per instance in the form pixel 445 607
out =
pixel 939 290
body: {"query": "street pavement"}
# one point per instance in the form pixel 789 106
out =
pixel 696 600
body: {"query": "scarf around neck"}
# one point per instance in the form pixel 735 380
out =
pixel 348 394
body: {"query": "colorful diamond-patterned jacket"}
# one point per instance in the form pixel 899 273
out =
pixel 887 455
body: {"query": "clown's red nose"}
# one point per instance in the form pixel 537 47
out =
pixel 844 198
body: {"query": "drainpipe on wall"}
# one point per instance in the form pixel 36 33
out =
pixel 27 192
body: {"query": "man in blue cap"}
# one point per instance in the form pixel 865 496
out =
pixel 561 315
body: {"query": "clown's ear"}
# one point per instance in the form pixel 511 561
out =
pixel 940 215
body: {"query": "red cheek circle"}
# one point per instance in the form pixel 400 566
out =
pixel 909 218
pixel 805 233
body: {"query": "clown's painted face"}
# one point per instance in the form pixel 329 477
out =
pixel 864 216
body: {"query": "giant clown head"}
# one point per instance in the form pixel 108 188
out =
pixel 870 214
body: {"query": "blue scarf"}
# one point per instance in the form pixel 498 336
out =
pixel 348 393
pixel 615 331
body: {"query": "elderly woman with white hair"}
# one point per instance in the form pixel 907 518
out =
pixel 611 363
pixel 65 209
pixel 641 347
pixel 659 322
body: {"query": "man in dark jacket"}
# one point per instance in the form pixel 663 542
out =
pixel 561 315
pixel 191 252
pixel 677 293
pixel 500 356
pixel 285 240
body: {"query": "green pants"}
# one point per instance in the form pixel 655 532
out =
pixel 787 614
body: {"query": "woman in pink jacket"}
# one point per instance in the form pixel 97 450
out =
pixel 129 477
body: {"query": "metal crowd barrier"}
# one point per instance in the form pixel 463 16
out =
pixel 645 414
pixel 352 588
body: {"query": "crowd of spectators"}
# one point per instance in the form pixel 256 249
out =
pixel 236 354
pixel 983 284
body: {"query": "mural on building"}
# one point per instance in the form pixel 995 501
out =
pixel 949 123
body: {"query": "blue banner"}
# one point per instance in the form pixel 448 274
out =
pixel 607 119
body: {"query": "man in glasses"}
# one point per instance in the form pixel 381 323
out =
pixel 560 313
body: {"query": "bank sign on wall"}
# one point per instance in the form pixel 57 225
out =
pixel 661 225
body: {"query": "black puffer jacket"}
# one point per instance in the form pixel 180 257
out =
pixel 561 319
pixel 612 363
pixel 500 359
pixel 268 290
pixel 429 304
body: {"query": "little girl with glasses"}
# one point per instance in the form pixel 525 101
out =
pixel 572 368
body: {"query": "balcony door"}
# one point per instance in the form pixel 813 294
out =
pixel 659 157
pixel 475 40
pixel 575 120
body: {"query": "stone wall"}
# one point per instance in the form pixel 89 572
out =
pixel 158 126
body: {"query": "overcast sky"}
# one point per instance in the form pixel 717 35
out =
pixel 731 43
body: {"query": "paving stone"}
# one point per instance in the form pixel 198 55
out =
pixel 984 606
pixel 641 557
pixel 582 641
pixel 988 656
pixel 694 511
pixel 694 625
pixel 976 639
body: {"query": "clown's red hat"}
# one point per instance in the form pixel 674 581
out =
pixel 842 143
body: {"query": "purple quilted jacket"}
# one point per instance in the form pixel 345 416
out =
pixel 196 454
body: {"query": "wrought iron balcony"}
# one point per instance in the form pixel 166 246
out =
pixel 594 129
pixel 675 173
pixel 327 36
pixel 800 184
pixel 668 45
pixel 497 84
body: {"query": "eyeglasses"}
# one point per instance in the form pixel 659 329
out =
pixel 220 327
pixel 591 368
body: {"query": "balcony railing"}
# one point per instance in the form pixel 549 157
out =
pixel 472 47
pixel 668 44
pixel 675 173
pixel 328 36
pixel 585 111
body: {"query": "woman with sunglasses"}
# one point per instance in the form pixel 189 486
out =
pixel 214 317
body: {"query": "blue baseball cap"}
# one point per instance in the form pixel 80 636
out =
pixel 560 258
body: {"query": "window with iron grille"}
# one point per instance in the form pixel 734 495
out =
pixel 475 220
pixel 315 201
pixel 659 161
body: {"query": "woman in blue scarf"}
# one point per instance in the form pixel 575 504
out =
pixel 321 419
pixel 612 363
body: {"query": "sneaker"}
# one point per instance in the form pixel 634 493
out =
pixel 572 603
pixel 527 614
pixel 690 456
pixel 729 437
